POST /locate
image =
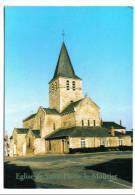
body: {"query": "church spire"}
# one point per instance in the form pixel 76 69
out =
pixel 64 67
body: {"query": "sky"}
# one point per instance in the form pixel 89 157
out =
pixel 100 44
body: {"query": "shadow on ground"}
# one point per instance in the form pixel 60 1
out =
pixel 18 176
pixel 120 167
pixel 22 177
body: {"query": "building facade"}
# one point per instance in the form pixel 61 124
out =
pixel 71 122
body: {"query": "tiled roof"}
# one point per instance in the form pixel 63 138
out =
pixel 79 132
pixel 29 117
pixel 21 130
pixel 36 133
pixel 110 124
pixel 64 66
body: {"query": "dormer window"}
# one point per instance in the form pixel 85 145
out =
pixel 67 84
pixel 73 85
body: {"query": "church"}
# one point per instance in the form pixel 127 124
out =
pixel 71 123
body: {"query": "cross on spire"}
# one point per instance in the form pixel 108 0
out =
pixel 63 35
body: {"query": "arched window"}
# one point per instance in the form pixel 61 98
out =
pixel 29 142
pixel 67 84
pixel 73 85
pixel 52 87
pixel 40 123
pixel 55 86
pixel 53 126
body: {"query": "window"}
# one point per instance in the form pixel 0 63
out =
pixel 107 143
pixel 29 143
pixel 67 84
pixel 94 123
pixel 102 142
pixel 49 145
pixel 52 87
pixel 121 142
pixel 82 123
pixel 55 86
pixel 53 126
pixel 82 143
pixel 40 122
pixel 88 123
pixel 73 85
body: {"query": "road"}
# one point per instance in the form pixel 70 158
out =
pixel 110 170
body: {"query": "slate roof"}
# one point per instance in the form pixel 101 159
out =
pixel 51 111
pixel 36 133
pixel 110 124
pixel 79 132
pixel 129 133
pixel 64 66
pixel 21 130
pixel 29 117
pixel 70 107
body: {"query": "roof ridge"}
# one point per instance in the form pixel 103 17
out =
pixel 71 105
pixel 30 116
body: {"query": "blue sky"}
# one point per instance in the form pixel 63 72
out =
pixel 100 44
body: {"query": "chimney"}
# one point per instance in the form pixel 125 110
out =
pixel 120 122
pixel 113 131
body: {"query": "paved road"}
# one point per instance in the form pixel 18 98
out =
pixel 91 170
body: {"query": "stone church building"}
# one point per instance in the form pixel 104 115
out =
pixel 72 121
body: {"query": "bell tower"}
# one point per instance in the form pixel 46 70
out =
pixel 65 86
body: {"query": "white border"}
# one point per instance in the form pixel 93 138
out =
pixel 54 3
pixel 68 2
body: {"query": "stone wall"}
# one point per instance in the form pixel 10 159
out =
pixel 20 143
pixel 51 123
pixel 92 142
pixel 30 143
pixel 39 145
pixel 60 97
pixel 87 111
pixel 68 120
pixel 39 119
pixel 54 146
pixel 29 123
